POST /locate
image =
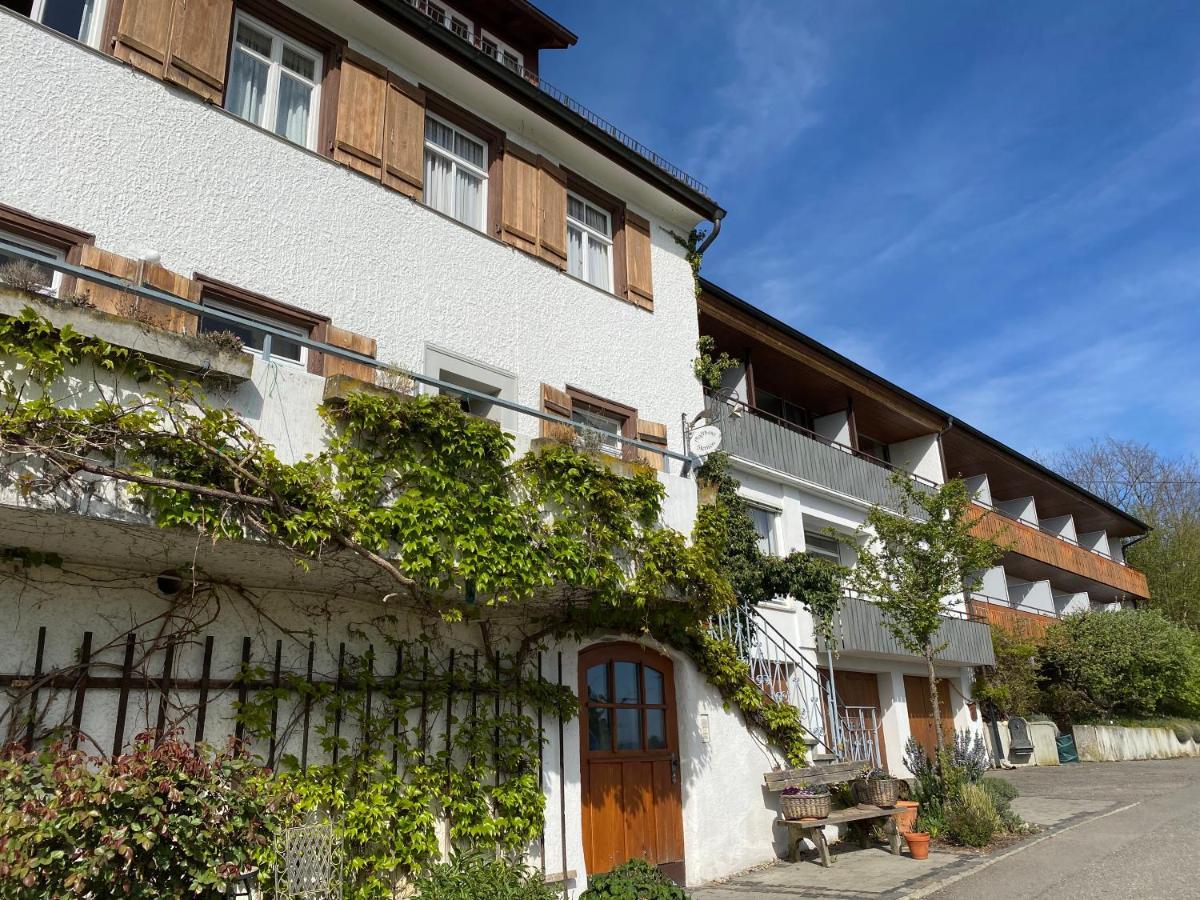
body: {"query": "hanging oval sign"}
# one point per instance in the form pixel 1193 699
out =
pixel 705 440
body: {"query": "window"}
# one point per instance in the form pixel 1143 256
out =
pixel 47 279
pixel 589 242
pixel 823 546
pixel 80 19
pixel 254 339
pixel 500 52
pixel 274 81
pixel 459 370
pixel 873 448
pixel 455 172
pixel 609 423
pixel 626 707
pixel 764 526
pixel 781 409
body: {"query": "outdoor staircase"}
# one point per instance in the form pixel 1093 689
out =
pixel 784 673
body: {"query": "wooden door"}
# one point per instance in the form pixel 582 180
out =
pixel 920 712
pixel 629 755
pixel 860 689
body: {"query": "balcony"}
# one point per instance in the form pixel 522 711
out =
pixel 1006 615
pixel 1054 550
pixel 758 437
pixel 860 628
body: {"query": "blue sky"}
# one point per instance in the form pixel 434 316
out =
pixel 995 205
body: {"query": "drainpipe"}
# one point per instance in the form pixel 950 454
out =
pixel 712 235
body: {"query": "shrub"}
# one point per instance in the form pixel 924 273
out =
pixel 473 875
pixel 1183 732
pixel 1196 732
pixel 971 817
pixel 1000 789
pixel 1009 688
pixel 162 820
pixel 1123 663
pixel 1003 794
pixel 971 754
pixel 634 880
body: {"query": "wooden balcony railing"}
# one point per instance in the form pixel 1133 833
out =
pixel 1019 537
pixel 1001 614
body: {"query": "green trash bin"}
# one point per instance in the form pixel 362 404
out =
pixel 1066 748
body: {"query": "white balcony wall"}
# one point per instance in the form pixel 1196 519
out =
pixel 1063 526
pixel 835 426
pixel 921 456
pixel 1096 540
pixel 1066 602
pixel 735 380
pixel 1034 596
pixel 980 488
pixel 1116 550
pixel 994 583
pixel 1022 508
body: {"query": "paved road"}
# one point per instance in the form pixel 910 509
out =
pixel 1150 850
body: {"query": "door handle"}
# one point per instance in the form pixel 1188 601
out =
pixel 674 769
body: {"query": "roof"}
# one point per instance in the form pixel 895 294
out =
pixel 951 420
pixel 557 36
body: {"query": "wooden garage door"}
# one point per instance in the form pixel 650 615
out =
pixel 629 754
pixel 920 711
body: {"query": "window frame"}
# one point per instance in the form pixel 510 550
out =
pixel 627 414
pixel 484 173
pixel 822 553
pixel 492 138
pixel 502 48
pixel 269 311
pixel 280 39
pixel 590 234
pixel 439 361
pixel 64 239
pixel 97 27
pixel 774 514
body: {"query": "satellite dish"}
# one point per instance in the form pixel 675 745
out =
pixel 704 439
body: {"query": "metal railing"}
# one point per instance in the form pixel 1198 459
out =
pixel 1014 605
pixel 786 675
pixel 270 331
pixel 476 40
pixel 860 733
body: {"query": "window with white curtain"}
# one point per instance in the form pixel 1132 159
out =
pixel 46 278
pixel 274 81
pixel 764 520
pixel 589 242
pixel 455 172
pixel 79 19
pixel 823 546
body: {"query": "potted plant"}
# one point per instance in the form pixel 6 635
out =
pixel 809 801
pixel 918 839
pixel 878 787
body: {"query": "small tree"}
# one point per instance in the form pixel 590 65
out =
pixel 914 563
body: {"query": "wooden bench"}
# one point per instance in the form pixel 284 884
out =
pixel 814 829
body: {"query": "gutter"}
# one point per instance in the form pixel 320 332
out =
pixel 717 218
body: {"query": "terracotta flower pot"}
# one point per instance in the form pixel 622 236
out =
pixel 918 844
pixel 907 820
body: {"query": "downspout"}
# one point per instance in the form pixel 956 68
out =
pixel 712 235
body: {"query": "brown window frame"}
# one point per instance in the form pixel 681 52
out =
pixel 491 135
pixel 314 324
pixel 628 414
pixel 53 234
pixel 615 207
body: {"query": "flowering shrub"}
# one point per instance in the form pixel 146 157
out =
pixel 162 820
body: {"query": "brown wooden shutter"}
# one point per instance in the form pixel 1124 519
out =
pixel 404 137
pixel 362 99
pixel 348 340
pixel 199 47
pixel 637 260
pixel 520 219
pixel 129 305
pixel 558 403
pixel 651 433
pixel 143 34
pixel 552 195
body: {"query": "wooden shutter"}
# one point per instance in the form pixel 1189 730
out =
pixel 362 99
pixel 129 305
pixel 404 137
pixel 552 195
pixel 651 433
pixel 558 403
pixel 143 34
pixel 199 47
pixel 637 260
pixel 520 218
pixel 348 340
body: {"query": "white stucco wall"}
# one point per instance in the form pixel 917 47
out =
pixel 994 583
pixel 1096 540
pixel 921 456
pixel 1031 595
pixel 835 426
pixel 1022 508
pixel 145 166
pixel 980 488
pixel 1063 526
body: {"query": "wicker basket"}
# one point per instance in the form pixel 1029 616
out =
pixel 795 806
pixel 879 791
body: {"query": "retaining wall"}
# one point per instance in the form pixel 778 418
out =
pixel 1112 743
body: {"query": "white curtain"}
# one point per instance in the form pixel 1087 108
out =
pixel 468 205
pixel 598 263
pixel 247 86
pixel 439 183
pixel 292 118
pixel 575 252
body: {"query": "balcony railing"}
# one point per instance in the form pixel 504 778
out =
pixel 1036 543
pixel 1046 531
pixel 860 628
pixel 759 437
